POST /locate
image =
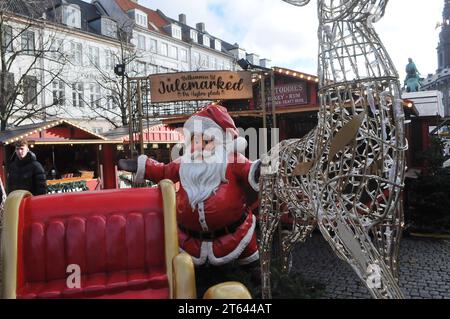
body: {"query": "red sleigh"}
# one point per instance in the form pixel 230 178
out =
pixel 124 242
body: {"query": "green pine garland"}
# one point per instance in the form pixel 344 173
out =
pixel 69 187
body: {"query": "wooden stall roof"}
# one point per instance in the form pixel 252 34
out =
pixel 54 133
pixel 154 132
pixel 296 74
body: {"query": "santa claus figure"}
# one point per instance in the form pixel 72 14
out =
pixel 218 186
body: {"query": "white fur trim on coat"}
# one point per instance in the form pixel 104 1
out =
pixel 215 261
pixel 240 145
pixel 249 259
pixel 140 173
pixel 251 175
pixel 207 252
pixel 201 260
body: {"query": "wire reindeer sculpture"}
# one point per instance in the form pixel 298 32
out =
pixel 346 176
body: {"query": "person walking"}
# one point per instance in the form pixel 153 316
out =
pixel 25 172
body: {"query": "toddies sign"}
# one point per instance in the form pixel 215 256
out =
pixel 290 94
pixel 188 86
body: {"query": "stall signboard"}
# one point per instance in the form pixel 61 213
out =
pixel 200 86
pixel 291 94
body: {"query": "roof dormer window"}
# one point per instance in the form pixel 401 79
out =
pixel 140 17
pixel 194 36
pixel 71 16
pixel 109 27
pixel 176 31
pixel 206 40
pixel 217 45
pixel 141 20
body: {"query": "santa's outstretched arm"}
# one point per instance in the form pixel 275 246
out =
pixel 248 172
pixel 147 168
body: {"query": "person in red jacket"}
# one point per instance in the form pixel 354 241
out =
pixel 218 186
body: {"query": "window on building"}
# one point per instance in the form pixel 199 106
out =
pixel 217 45
pixel 109 60
pixel 141 68
pixel 109 28
pixel 176 32
pixel 206 40
pixel 204 61
pixel 164 49
pixel 57 49
pixel 71 16
pixel 28 42
pixel 94 56
pixel 7 39
pixel 173 53
pixel 141 42
pixel 111 101
pixel 9 79
pixel 194 36
pixel 131 67
pixel 58 90
pixel 196 59
pixel 141 19
pixel 77 94
pixel 29 89
pixel 183 55
pixel 95 96
pixel 153 46
pixel 77 53
pixel 213 63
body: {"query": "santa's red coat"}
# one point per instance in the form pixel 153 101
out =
pixel 224 207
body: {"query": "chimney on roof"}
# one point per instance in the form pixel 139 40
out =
pixel 253 58
pixel 182 18
pixel 200 27
pixel 265 63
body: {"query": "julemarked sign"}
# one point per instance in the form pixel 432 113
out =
pixel 196 86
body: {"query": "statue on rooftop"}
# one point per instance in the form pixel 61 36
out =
pixel 413 80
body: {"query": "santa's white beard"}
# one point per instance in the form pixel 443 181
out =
pixel 201 178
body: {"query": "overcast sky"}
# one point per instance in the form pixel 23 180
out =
pixel 288 35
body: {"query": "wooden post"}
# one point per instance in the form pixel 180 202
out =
pixel 140 114
pixel 130 119
pixel 108 159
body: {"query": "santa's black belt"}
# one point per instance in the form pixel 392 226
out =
pixel 210 235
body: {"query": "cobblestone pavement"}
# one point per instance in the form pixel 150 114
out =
pixel 424 269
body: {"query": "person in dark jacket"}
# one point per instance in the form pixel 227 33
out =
pixel 25 172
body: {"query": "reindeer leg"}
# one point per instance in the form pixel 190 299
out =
pixel 386 239
pixel 302 228
pixel 269 219
pixel 352 243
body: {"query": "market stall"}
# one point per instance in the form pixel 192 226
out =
pixel 74 158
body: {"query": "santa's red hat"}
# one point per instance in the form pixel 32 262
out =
pixel 216 117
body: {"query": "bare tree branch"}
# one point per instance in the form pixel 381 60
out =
pixel 29 50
